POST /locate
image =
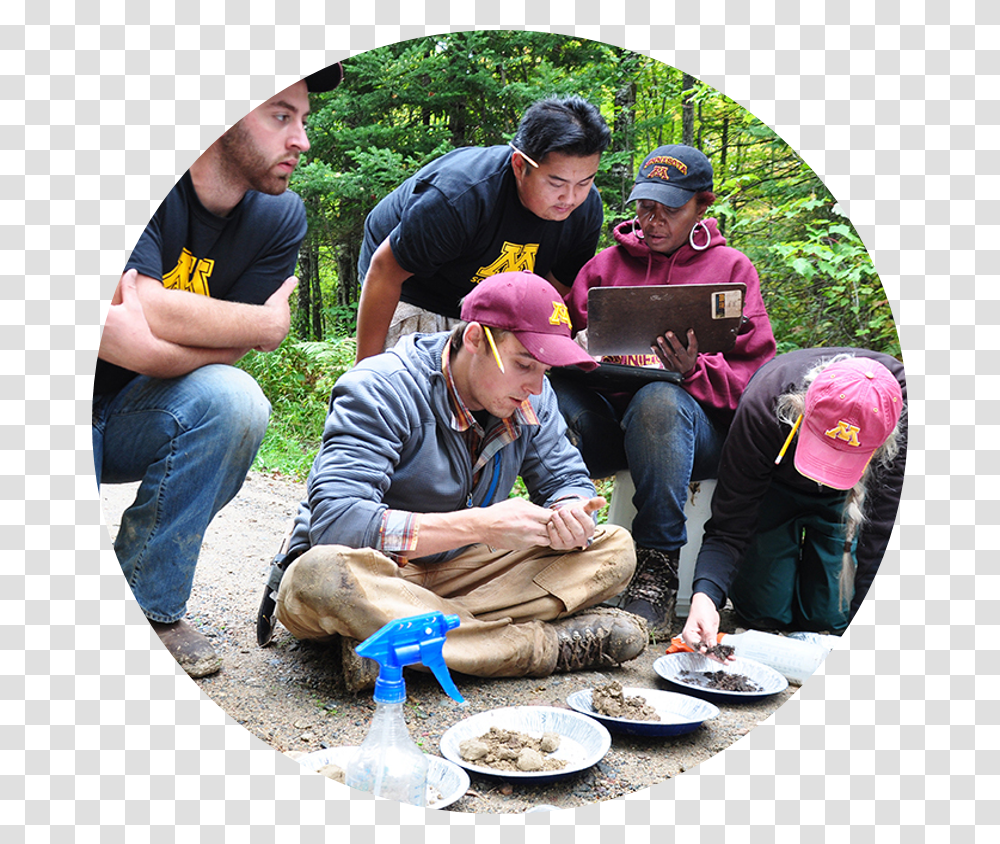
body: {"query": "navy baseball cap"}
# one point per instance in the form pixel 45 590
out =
pixel 672 174
pixel 326 79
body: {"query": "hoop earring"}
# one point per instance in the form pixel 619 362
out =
pixel 637 229
pixel 708 237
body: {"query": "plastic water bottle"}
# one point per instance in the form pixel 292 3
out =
pixel 389 764
pixel 794 658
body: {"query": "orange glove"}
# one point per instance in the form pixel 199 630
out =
pixel 678 645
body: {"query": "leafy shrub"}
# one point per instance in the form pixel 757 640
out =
pixel 297 379
pixel 830 293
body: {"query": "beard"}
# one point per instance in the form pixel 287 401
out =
pixel 245 163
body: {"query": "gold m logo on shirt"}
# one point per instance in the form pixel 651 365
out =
pixel 191 274
pixel 846 432
pixel 514 257
pixel 560 314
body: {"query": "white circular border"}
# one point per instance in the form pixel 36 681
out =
pixel 109 732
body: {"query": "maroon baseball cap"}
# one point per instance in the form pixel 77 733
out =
pixel 531 309
pixel 851 409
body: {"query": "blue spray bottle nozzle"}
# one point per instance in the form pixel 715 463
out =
pixel 407 641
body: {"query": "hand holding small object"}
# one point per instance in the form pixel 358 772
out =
pixel 572 525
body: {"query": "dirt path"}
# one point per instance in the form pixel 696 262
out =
pixel 290 694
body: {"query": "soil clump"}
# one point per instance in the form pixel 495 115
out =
pixel 509 750
pixel 723 681
pixel 611 700
pixel 720 651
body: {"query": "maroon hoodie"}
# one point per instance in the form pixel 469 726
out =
pixel 717 380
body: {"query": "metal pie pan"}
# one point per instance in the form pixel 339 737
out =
pixel 583 741
pixel 672 668
pixel 679 713
pixel 446 782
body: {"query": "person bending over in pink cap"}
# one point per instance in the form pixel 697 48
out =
pixel 408 509
pixel 809 484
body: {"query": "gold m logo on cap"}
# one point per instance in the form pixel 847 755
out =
pixel 560 314
pixel 846 432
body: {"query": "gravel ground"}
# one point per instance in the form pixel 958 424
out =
pixel 290 694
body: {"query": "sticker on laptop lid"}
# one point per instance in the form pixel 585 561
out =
pixel 727 304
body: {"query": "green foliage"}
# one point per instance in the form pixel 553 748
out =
pixel 297 379
pixel 405 104
pixel 829 293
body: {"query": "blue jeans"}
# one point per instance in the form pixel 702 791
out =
pixel 191 441
pixel 664 438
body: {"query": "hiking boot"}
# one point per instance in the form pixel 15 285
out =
pixel 652 593
pixel 360 673
pixel 602 637
pixel 193 652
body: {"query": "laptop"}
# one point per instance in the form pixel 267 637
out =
pixel 626 321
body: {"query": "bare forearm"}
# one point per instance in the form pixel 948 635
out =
pixel 558 285
pixel 512 525
pixel 379 297
pixel 160 359
pixel 200 322
pixel 446 531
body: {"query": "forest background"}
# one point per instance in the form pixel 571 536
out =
pixel 405 104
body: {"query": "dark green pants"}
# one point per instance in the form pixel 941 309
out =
pixel 789 578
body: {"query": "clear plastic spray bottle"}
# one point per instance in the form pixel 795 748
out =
pixel 389 763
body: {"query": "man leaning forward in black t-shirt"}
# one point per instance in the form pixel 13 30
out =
pixel 479 211
pixel 208 281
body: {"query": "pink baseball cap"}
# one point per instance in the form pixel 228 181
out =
pixel 851 409
pixel 533 311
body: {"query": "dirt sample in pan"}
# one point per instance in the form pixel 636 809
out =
pixel 508 750
pixel 723 681
pixel 612 701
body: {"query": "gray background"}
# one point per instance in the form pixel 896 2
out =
pixel 893 104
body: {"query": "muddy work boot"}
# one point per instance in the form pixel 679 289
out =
pixel 603 637
pixel 652 593
pixel 360 673
pixel 193 652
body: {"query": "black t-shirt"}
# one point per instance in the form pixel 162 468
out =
pixel 458 220
pixel 244 257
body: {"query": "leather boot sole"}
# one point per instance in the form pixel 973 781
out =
pixel 192 651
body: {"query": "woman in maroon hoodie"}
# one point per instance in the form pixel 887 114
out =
pixel 666 434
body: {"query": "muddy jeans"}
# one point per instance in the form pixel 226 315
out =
pixel 504 598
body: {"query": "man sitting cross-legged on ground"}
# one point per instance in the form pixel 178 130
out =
pixel 408 509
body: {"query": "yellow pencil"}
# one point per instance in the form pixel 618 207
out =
pixel 788 441
pixel 493 346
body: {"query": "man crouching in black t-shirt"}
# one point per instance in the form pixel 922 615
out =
pixel 208 281
pixel 478 211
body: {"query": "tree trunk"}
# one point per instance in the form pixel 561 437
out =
pixel 348 288
pixel 301 326
pixel 723 160
pixel 317 295
pixel 622 137
pixel 687 109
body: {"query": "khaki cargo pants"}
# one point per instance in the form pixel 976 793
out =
pixel 503 598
